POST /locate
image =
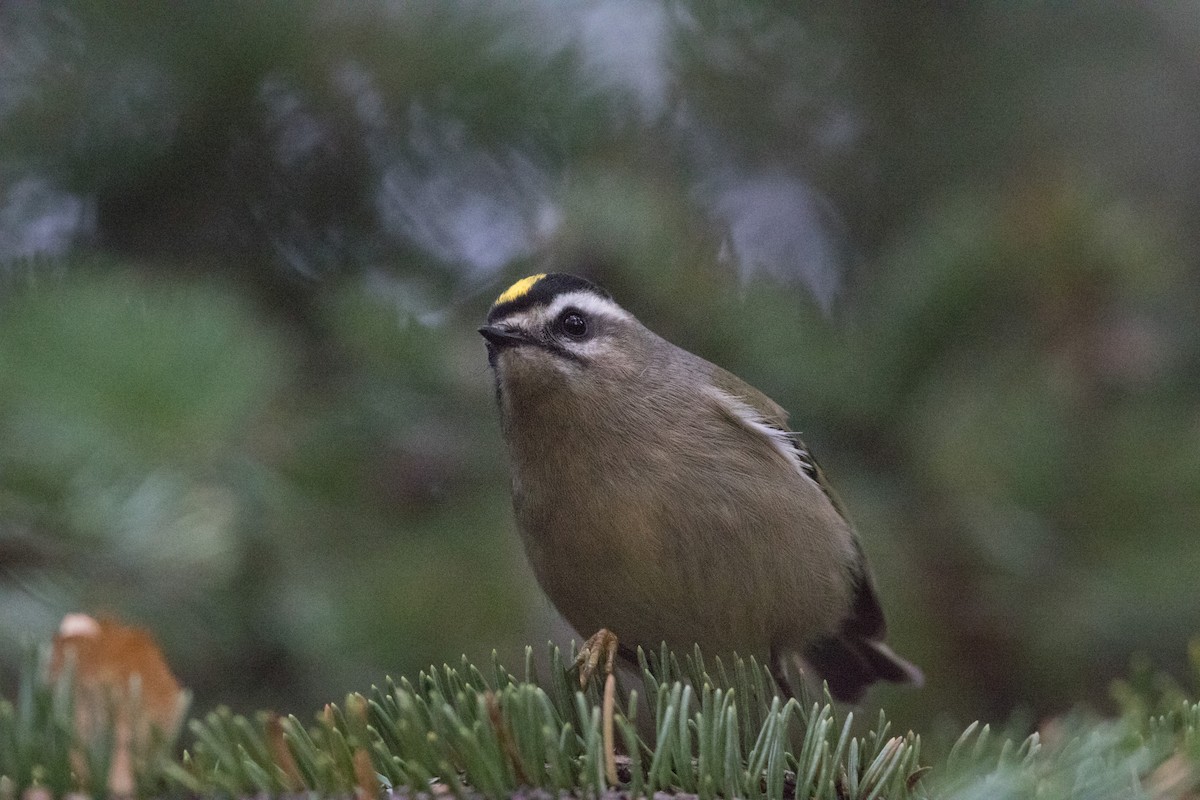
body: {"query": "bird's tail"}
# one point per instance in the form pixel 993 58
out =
pixel 849 665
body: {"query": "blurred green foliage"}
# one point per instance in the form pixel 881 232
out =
pixel 244 249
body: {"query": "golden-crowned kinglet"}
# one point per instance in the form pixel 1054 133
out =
pixel 664 499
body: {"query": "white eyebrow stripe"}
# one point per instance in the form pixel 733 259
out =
pixel 588 303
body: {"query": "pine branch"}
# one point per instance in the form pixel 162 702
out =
pixel 722 731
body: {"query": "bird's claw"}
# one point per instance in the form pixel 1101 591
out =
pixel 602 646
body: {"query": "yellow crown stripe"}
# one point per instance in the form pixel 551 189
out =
pixel 519 288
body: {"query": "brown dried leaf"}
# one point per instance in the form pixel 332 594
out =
pixel 122 681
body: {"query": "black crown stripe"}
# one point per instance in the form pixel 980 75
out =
pixel 543 293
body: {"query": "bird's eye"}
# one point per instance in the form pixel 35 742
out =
pixel 573 324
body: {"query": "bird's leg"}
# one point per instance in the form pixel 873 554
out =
pixel 602 645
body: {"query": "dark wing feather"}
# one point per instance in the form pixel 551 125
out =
pixel 813 470
pixel 866 614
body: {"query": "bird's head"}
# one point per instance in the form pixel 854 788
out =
pixel 558 330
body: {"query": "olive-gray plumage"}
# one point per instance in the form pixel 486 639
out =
pixel 661 497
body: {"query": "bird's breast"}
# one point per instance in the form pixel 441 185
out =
pixel 674 527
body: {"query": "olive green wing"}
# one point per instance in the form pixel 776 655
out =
pixel 776 416
pixel 855 656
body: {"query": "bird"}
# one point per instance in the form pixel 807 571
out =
pixel 662 499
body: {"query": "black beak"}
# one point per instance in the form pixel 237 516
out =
pixel 504 337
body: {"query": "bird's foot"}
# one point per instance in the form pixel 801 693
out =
pixel 602 646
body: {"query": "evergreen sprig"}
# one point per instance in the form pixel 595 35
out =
pixel 725 732
pixel 39 745
pixel 719 731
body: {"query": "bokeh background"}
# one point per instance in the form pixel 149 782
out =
pixel 244 247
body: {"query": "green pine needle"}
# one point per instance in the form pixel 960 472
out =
pixel 714 730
